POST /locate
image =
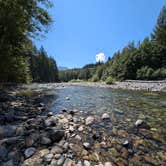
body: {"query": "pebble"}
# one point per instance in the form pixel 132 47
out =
pixel 81 128
pixel 107 164
pixel 68 162
pixel 138 122
pixel 61 161
pixel 29 152
pixel 105 116
pixel 48 157
pixel 56 150
pixel 89 120
pixel 126 143
pixel 77 137
pixel 50 114
pixel 86 163
pixel 86 145
pixel 45 140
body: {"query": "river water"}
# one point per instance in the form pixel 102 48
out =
pixel 124 108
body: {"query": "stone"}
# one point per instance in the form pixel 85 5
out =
pixel 71 128
pixel 138 122
pixel 77 137
pixel 29 141
pixel 117 111
pixel 56 150
pixel 105 116
pixel 67 98
pixel 125 143
pixel 53 162
pixel 66 145
pixel 43 152
pixel 45 141
pixel 86 163
pixel 9 116
pixel 56 135
pixel 29 152
pixel 48 157
pixel 107 164
pixel 57 156
pixel 79 163
pixel 7 131
pixel 3 152
pixel 68 162
pixel 50 114
pixel 8 163
pixel 60 161
pixel 86 145
pixel 81 128
pixel 89 120
pixel 73 111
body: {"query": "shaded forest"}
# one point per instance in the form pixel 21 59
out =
pixel 20 22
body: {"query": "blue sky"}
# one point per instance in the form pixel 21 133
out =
pixel 84 28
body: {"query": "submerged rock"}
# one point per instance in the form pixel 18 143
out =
pixel 139 122
pixel 105 116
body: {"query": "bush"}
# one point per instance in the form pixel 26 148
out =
pixel 95 78
pixel 110 80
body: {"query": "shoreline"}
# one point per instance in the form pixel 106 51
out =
pixel 133 85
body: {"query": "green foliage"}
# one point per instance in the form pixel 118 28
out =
pixel 19 21
pixel 95 78
pixel 110 80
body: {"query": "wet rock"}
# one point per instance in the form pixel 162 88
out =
pixel 29 141
pixel 20 130
pixel 73 111
pixel 3 152
pixel 139 122
pixel 86 145
pixel 107 164
pixel 126 143
pixel 7 131
pixel 61 161
pixel 86 163
pixel 68 162
pixel 29 152
pixel 67 98
pixel 8 163
pixel 118 111
pixel 50 114
pixel 51 121
pixel 105 116
pixel 9 116
pixel 66 145
pixel 89 120
pixel 56 150
pixel 56 135
pixel 48 157
pixel 79 163
pixel 45 141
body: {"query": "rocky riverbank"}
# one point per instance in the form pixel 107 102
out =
pixel 136 85
pixel 70 139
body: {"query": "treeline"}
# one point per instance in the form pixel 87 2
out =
pixel 143 61
pixel 20 22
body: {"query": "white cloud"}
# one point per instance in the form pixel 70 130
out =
pixel 100 57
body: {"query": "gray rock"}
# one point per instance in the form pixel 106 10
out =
pixel 89 120
pixel 77 137
pixel 68 162
pixel 3 152
pixel 67 98
pixel 29 152
pixel 81 128
pixel 126 143
pixel 8 163
pixel 56 150
pixel 117 111
pixel 79 163
pixel 50 114
pixel 57 156
pixel 45 141
pixel 53 162
pixel 48 157
pixel 7 131
pixel 9 116
pixel 56 135
pixel 66 145
pixel 61 161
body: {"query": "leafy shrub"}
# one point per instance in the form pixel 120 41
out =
pixel 110 80
pixel 95 78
